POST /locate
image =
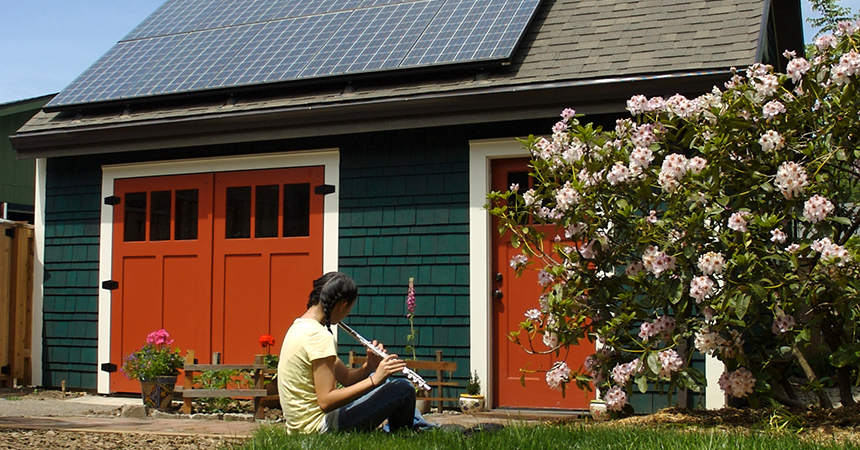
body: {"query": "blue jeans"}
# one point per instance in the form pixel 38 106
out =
pixel 393 400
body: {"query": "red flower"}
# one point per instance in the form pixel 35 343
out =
pixel 267 341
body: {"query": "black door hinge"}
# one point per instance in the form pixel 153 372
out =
pixel 110 285
pixel 6 370
pixel 324 189
pixel 108 367
pixel 10 232
pixel 112 200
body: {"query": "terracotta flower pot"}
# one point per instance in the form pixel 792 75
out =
pixel 158 392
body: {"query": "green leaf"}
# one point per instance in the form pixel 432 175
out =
pixel 742 305
pixel 642 383
pixel 847 354
pixel 654 363
pixel 758 290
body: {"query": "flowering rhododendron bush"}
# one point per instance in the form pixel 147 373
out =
pixel 724 225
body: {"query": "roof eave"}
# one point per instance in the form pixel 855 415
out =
pixel 480 105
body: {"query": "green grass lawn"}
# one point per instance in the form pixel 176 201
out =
pixel 559 436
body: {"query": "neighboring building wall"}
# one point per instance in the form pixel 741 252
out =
pixel 404 213
pixel 70 333
pixel 16 176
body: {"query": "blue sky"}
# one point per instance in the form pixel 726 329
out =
pixel 45 44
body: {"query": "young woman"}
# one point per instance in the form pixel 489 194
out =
pixel 309 370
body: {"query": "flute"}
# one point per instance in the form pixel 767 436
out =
pixel 410 374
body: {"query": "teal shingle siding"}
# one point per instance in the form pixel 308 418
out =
pixel 71 274
pixel 404 213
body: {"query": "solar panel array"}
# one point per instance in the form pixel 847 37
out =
pixel 198 45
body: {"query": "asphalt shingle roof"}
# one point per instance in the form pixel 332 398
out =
pixel 569 40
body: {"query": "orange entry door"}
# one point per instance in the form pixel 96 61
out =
pixel 267 250
pixel 513 296
pixel 162 263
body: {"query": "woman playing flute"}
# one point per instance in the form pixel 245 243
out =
pixel 309 369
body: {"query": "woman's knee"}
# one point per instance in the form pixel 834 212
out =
pixel 402 385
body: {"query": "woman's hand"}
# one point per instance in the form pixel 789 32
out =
pixel 373 359
pixel 389 365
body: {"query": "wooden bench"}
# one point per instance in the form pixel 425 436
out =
pixel 257 393
pixel 437 366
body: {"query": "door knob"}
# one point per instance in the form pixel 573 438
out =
pixel 498 277
pixel 497 294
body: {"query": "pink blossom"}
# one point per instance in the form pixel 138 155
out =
pixel 772 109
pixel 656 261
pixel 518 261
pixel 706 341
pixel 566 197
pixel 159 337
pixel 782 324
pixel 831 254
pixel 574 229
pixel 697 164
pixel 622 373
pixel 545 278
pixel 652 217
pixel 640 158
pixel 533 315
pixel 674 168
pixel 777 236
pixel 701 288
pixel 791 179
pixel 568 114
pixel 550 339
pixel 615 398
pixel 558 375
pixel 738 221
pixel 634 269
pixel 739 383
pixel 771 140
pixel 670 361
pixel 711 263
pixel 766 85
pixel 619 173
pixel 824 41
pixel 796 68
pixel 793 248
pixel 643 135
pixel 529 197
pixel 637 104
pixel 817 209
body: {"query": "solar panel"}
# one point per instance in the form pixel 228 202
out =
pixel 190 46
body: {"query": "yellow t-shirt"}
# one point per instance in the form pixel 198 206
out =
pixel 306 340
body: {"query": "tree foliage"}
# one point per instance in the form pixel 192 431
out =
pixel 725 225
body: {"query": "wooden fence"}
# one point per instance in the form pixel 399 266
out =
pixel 16 303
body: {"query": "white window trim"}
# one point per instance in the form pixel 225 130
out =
pixel 329 158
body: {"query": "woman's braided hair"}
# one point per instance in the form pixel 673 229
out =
pixel 330 289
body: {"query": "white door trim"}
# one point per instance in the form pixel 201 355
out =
pixel 330 158
pixel 481 155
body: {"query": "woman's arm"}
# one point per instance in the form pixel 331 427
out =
pixel 325 371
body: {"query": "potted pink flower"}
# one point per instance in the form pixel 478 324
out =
pixel 156 366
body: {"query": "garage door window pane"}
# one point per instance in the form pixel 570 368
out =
pixel 135 217
pixel 266 214
pixel 186 214
pixel 159 216
pixel 238 224
pixel 297 209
